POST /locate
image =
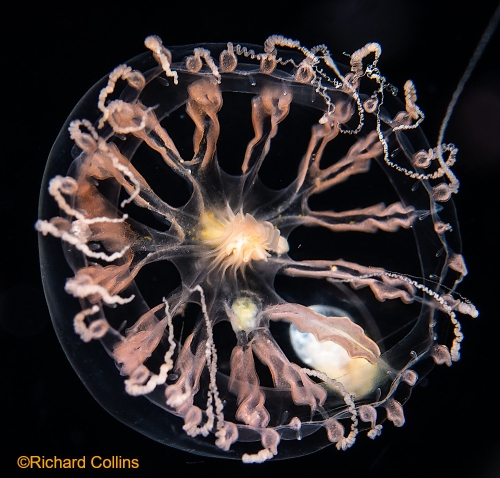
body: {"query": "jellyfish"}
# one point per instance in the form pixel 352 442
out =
pixel 262 241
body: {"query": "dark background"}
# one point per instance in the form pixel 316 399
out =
pixel 54 55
